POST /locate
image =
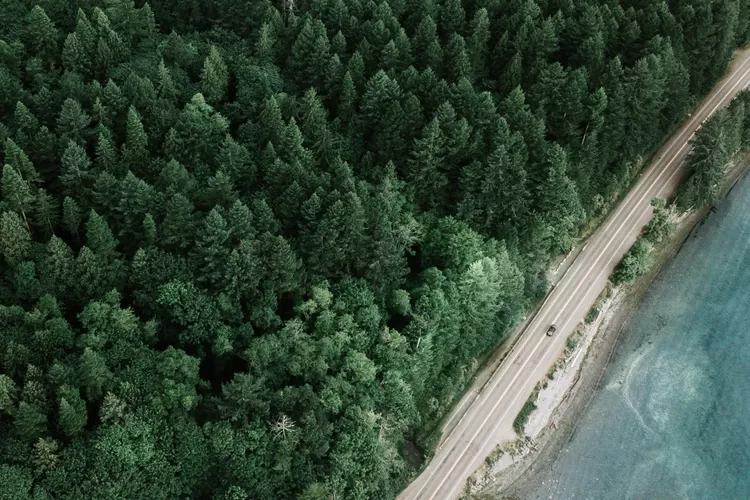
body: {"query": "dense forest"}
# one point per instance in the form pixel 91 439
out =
pixel 249 247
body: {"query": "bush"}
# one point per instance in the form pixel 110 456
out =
pixel 634 263
pixel 661 224
pixel 523 416
pixel 592 315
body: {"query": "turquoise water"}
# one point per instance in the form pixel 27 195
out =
pixel 672 419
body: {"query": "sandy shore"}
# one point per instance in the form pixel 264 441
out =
pixel 513 473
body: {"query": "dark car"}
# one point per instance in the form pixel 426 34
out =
pixel 551 330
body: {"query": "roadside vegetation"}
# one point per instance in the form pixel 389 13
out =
pixel 721 139
pixel 528 407
pixel 247 248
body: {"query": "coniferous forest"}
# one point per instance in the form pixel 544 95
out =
pixel 251 247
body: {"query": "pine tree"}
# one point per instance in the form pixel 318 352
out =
pixel 16 193
pixel 347 99
pixel 72 411
pixel 99 237
pixel 41 34
pixel 94 375
pixel 85 31
pixel 166 86
pixel 113 98
pixel 198 133
pixel 103 57
pixel 174 178
pixel 452 18
pixel 338 44
pixel 106 154
pixel 240 222
pixel 559 201
pixel 74 55
pixel 478 44
pixel 282 267
pixel 310 55
pixel 425 167
pixel 75 174
pixel 45 212
pixel 235 160
pixel 135 151
pixel 645 91
pixel 211 250
pixel 265 46
pixel 29 422
pixel 426 45
pixel 17 157
pixel 46 457
pixel 136 199
pixel 72 215
pixel 707 162
pixel 73 121
pixel 8 394
pixel 219 190
pixel 149 230
pixel 15 238
pixel 214 77
pixel 106 194
pixel 356 68
pixel 457 59
pixel 26 125
pixel 177 229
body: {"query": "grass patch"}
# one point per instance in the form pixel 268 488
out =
pixel 592 315
pixel 492 459
pixel 519 423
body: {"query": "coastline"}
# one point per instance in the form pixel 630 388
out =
pixel 513 474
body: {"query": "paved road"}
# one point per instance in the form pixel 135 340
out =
pixel 488 419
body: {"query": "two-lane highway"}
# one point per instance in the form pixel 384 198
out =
pixel 488 420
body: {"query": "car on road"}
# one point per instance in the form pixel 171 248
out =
pixel 551 330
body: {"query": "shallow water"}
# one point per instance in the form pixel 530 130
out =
pixel 672 419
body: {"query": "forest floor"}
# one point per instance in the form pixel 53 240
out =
pixel 513 473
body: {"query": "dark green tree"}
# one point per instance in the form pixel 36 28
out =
pixel 214 77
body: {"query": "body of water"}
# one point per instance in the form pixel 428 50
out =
pixel 672 419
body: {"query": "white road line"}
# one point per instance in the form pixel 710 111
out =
pixel 627 218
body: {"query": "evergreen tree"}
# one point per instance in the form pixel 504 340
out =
pixel 177 227
pixel 16 192
pixel 425 170
pixel 72 411
pixel 99 237
pixel 15 238
pixel 45 213
pixel 234 159
pixel 558 201
pixel 135 150
pixel 310 54
pixel 72 215
pixel 29 422
pixel 74 55
pixel 106 155
pixel 75 174
pixel 457 59
pixel 26 125
pixel 41 34
pixel 73 121
pixel 17 157
pixel 214 77
pixel 211 249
